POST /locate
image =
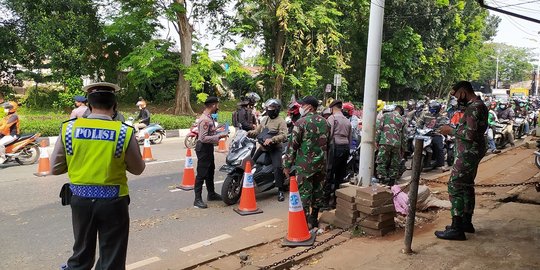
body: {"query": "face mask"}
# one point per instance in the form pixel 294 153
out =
pixel 214 116
pixel 216 111
pixel 302 111
pixel 503 107
pixel 272 114
pixel 6 110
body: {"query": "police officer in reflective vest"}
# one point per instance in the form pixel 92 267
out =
pixel 96 152
pixel 204 149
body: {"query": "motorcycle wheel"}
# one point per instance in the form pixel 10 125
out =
pixel 29 155
pixel 537 161
pixel 231 189
pixel 158 138
pixel 190 142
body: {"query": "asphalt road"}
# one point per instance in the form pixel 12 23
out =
pixel 36 229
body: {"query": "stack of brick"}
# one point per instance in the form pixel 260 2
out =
pixel 346 212
pixel 376 210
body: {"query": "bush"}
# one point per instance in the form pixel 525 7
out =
pixel 46 125
pixel 168 121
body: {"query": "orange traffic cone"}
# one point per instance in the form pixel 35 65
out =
pixel 147 151
pixel 298 233
pixel 248 204
pixel 222 145
pixel 188 180
pixel 44 167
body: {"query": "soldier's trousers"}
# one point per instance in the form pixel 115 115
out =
pixel 205 168
pixel 311 191
pixel 460 189
pixel 337 169
pixel 388 163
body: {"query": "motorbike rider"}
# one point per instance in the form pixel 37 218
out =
pixel 523 112
pixel 492 121
pixel 380 107
pixel 143 117
pixel 391 141
pixel 505 113
pixel 433 119
pixel 243 117
pixel 293 114
pixel 271 133
pixel 452 107
pixel 9 128
pixel 411 110
pixel 80 104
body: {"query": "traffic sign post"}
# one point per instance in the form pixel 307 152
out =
pixel 337 83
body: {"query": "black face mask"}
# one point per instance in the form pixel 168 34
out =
pixel 272 113
pixel 216 111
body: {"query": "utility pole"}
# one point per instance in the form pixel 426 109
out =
pixel 497 73
pixel 371 91
pixel 537 78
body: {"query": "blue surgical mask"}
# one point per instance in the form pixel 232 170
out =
pixel 214 116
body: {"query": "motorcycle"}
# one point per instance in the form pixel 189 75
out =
pixel 501 140
pixel 519 127
pixel 426 135
pixel 241 151
pixel 157 132
pixel 193 135
pixel 353 163
pixel 24 150
pixel 450 145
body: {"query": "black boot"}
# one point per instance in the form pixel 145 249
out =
pixel 280 196
pixel 212 196
pixel 313 219
pixel 467 223
pixel 199 202
pixel 455 232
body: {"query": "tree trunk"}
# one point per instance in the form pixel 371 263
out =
pixel 279 52
pixel 182 102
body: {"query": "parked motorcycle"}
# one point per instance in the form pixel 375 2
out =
pixel 353 163
pixel 24 150
pixel 537 155
pixel 519 127
pixel 426 135
pixel 501 140
pixel 157 132
pixel 193 135
pixel 242 150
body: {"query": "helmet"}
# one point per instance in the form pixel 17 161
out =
pixel 503 105
pixel 141 104
pixel 411 104
pixel 11 106
pixel 326 113
pixel 388 108
pixel 453 101
pixel 434 107
pixel 253 98
pixel 273 102
pixel 348 107
pixel 294 108
pixel 380 105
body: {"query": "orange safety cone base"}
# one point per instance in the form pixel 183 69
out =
pixel 149 159
pixel 307 243
pixel 247 213
pixel 42 174
pixel 185 188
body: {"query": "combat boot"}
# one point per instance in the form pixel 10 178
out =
pixel 212 196
pixel 280 196
pixel 467 224
pixel 454 232
pixel 199 203
pixel 313 219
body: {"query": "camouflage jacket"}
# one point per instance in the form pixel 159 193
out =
pixel 308 145
pixel 391 130
pixel 428 120
pixel 471 128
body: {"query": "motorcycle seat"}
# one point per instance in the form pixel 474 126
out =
pixel 21 138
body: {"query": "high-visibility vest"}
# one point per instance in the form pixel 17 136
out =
pixel 6 128
pixel 95 152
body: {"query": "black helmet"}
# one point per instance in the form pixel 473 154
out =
pixel 434 107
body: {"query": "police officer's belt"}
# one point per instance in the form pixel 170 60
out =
pixel 95 192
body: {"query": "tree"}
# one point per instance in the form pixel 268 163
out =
pixel 514 63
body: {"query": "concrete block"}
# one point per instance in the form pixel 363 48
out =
pixel 372 203
pixel 347 194
pixel 346 215
pixel 367 193
pixel 377 225
pixel 328 217
pixel 338 222
pixel 380 217
pixel 345 204
pixel 389 208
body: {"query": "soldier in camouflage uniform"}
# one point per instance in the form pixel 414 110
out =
pixel 470 149
pixel 307 153
pixel 392 141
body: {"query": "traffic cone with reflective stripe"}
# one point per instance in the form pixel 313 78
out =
pixel 147 151
pixel 298 233
pixel 248 204
pixel 188 180
pixel 44 166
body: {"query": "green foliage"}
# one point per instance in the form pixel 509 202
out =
pixel 41 97
pixel 203 70
pixel 73 87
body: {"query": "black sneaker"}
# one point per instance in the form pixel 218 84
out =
pixel 280 196
pixel 200 204
pixel 214 197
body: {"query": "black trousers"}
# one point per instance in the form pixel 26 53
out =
pixel 277 164
pixel 107 219
pixel 337 169
pixel 438 150
pixel 205 168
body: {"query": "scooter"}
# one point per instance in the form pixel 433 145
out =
pixel 501 140
pixel 519 127
pixel 353 163
pixel 193 135
pixel 426 135
pixel 24 150
pixel 241 151
pixel 537 155
pixel 157 132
